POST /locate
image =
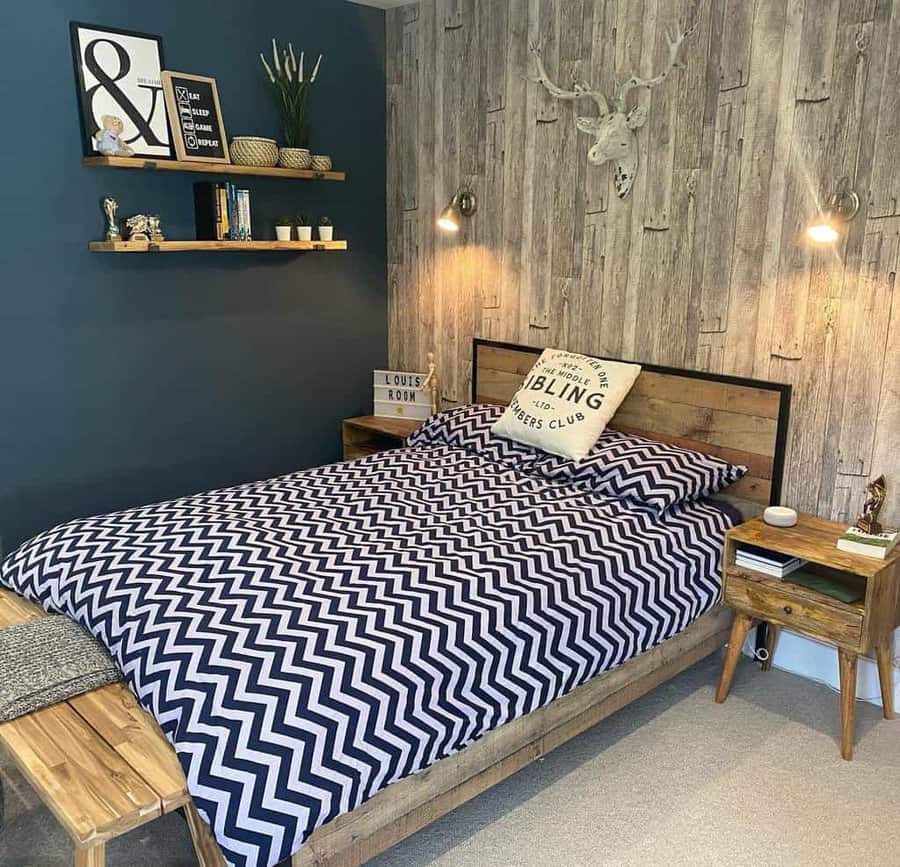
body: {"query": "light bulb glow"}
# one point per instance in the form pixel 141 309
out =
pixel 822 233
pixel 448 224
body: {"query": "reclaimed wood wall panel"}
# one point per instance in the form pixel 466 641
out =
pixel 704 265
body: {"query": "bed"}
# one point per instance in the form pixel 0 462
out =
pixel 341 655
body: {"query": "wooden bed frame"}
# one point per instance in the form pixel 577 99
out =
pixel 742 420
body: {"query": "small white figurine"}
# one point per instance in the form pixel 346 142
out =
pixel 432 383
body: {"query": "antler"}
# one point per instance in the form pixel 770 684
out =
pixel 581 90
pixel 674 40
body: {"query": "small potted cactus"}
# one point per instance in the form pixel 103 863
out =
pixel 304 228
pixel 283 228
pixel 326 229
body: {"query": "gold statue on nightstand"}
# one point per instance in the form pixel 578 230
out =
pixel 432 384
pixel 868 518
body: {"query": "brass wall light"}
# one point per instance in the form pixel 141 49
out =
pixel 841 208
pixel 463 204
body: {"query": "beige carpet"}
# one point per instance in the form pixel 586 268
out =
pixel 673 780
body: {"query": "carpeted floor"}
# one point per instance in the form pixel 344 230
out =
pixel 672 780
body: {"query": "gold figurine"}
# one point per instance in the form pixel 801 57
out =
pixel 868 518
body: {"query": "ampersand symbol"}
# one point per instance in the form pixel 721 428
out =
pixel 109 84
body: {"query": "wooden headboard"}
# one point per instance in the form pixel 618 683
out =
pixel 743 421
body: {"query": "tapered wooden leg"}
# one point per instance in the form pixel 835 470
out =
pixel 847 662
pixel 883 654
pixel 739 630
pixel 205 847
pixel 95 856
pixel 771 640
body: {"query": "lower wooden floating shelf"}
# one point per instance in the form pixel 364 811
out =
pixel 211 246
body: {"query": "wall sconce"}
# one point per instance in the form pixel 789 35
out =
pixel 463 204
pixel 841 208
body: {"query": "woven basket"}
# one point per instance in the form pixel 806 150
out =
pixel 321 163
pixel 294 158
pixel 249 150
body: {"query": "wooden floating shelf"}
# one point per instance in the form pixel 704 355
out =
pixel 212 246
pixel 142 163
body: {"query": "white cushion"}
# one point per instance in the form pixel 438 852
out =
pixel 566 402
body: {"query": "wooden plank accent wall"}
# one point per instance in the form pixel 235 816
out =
pixel 704 266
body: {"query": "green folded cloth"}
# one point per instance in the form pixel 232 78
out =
pixel 826 586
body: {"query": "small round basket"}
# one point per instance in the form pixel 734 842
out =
pixel 294 158
pixel 248 150
pixel 321 163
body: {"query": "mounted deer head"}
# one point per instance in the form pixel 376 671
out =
pixel 614 130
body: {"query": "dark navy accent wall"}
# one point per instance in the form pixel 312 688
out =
pixel 130 379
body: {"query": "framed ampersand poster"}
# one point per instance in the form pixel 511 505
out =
pixel 120 91
pixel 195 117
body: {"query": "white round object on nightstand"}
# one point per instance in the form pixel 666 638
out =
pixel 780 516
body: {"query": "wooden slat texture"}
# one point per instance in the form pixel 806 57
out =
pixel 93 792
pixel 212 246
pixel 705 264
pixel 735 422
pixel 142 164
pixel 114 713
pixel 205 847
pixel 885 187
pixel 98 761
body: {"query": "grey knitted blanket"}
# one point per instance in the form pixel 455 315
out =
pixel 48 660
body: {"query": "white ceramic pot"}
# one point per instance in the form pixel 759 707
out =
pixel 304 233
pixel 283 233
pixel 326 233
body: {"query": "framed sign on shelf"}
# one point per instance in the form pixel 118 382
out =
pixel 118 74
pixel 195 117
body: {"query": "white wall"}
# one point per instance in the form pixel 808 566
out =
pixel 818 661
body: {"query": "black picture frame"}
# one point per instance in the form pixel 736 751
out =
pixel 108 90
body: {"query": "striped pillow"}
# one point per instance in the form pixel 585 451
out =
pixel 469 427
pixel 632 467
pixel 623 466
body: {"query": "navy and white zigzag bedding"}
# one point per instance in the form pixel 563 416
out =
pixel 308 640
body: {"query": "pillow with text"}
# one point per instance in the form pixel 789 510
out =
pixel 565 402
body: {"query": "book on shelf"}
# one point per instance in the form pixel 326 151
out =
pixel 879 545
pixel 771 563
pixel 221 212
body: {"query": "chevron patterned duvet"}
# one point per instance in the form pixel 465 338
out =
pixel 308 640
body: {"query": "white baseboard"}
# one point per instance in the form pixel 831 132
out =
pixel 817 661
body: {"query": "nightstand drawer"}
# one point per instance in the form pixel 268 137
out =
pixel 780 602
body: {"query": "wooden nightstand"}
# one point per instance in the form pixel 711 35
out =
pixel 369 434
pixel 854 627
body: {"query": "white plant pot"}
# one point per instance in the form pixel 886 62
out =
pixel 326 233
pixel 304 233
pixel 283 233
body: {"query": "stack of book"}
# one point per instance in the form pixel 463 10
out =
pixel 770 562
pixel 222 212
pixel 879 545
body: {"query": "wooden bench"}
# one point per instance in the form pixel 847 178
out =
pixel 100 763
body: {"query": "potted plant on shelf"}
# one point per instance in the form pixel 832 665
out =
pixel 304 228
pixel 283 228
pixel 326 229
pixel 291 88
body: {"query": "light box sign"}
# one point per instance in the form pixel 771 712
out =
pixel 399 394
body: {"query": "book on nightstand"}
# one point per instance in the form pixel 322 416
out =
pixel 769 562
pixel 879 545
